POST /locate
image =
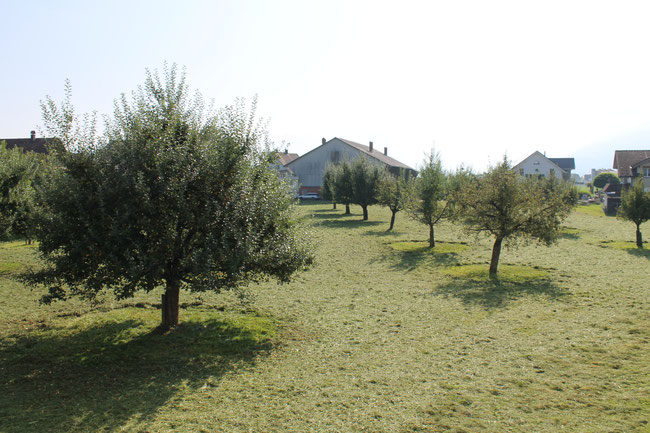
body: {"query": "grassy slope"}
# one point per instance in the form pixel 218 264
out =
pixel 373 338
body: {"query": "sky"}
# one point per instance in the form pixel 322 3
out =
pixel 472 80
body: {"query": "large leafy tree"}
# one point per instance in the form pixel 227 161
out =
pixel 393 194
pixel 429 201
pixel 635 207
pixel 343 192
pixel 327 191
pixel 502 204
pixel 20 175
pixel 365 180
pixel 171 195
pixel 604 178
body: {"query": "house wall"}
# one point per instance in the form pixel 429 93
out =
pixel 536 165
pixel 310 167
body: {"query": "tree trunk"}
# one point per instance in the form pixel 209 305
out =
pixel 496 253
pixel 347 209
pixel 392 221
pixel 170 305
pixel 432 241
pixel 639 239
pixel 365 212
pixel 334 207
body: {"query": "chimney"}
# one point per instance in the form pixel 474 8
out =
pixel 286 151
pixel 32 135
pixel 323 140
pixel 385 151
pixel 370 146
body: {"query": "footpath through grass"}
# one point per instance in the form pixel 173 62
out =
pixel 381 335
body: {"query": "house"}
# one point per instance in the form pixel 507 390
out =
pixel 280 165
pixel 310 167
pixel 538 165
pixel 32 144
pixel 632 165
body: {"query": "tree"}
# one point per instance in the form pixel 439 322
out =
pixel 635 207
pixel 604 178
pixel 343 192
pixel 365 178
pixel 392 193
pixel 509 207
pixel 171 195
pixel 19 176
pixel 428 203
pixel 327 191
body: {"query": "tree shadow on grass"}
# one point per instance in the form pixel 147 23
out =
pixel 349 223
pixel 102 377
pixel 407 261
pixel 385 233
pixel 639 252
pixel 494 294
pixel 329 215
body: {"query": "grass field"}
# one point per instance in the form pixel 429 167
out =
pixel 381 335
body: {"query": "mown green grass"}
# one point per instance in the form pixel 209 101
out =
pixel 595 209
pixel 372 338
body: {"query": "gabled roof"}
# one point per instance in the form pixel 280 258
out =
pixel 376 154
pixel 624 160
pixel 565 163
pixel 391 162
pixel 537 153
pixel 286 158
pixel 38 145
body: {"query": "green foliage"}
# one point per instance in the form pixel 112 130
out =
pixel 340 184
pixel 508 207
pixel 170 195
pixel 365 180
pixel 327 191
pixel 429 195
pixel 20 177
pixel 392 192
pixel 635 207
pixel 604 178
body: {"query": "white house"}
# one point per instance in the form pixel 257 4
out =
pixel 310 167
pixel 633 165
pixel 538 165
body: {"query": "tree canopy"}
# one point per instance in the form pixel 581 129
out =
pixel 604 178
pixel 20 175
pixel 428 203
pixel 392 192
pixel 502 204
pixel 170 195
pixel 635 207
pixel 365 181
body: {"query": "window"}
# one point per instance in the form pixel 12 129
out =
pixel 646 171
pixel 521 171
pixel 334 156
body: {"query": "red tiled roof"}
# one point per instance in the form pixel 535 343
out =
pixel 286 158
pixel 624 160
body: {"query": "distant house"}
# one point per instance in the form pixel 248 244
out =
pixel 310 167
pixel 538 165
pixel 32 144
pixel 632 165
pixel 280 164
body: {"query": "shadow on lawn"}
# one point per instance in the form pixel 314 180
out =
pixel 406 261
pixel 99 378
pixel 497 294
pixel 639 252
pixel 349 223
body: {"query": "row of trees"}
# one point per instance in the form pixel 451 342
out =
pixel 170 195
pixel 499 203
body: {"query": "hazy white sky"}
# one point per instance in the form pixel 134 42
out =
pixel 475 79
